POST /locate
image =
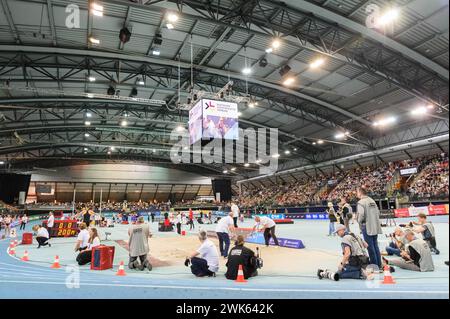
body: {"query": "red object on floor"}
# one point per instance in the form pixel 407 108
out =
pixel 183 233
pixel 283 221
pixel 27 238
pixel 102 257
pixel 125 223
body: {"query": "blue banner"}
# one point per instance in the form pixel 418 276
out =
pixel 258 238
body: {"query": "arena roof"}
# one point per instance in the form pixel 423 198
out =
pixel 367 75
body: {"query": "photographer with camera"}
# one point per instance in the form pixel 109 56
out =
pixel 397 244
pixel 426 228
pixel 416 257
pixel 241 255
pixel 355 258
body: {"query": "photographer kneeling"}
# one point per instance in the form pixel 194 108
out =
pixel 240 255
pixel 354 260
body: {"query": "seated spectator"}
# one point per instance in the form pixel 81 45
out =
pixel 416 257
pixel 85 256
pixel 205 261
pixel 42 237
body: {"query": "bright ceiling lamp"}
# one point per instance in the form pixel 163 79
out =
pixel 247 165
pixel 225 171
pixel 420 111
pixel 247 71
pixel 180 128
pixel 339 136
pixel 91 79
pixel 233 169
pixel 289 81
pixel 141 82
pixel 276 155
pixel 320 142
pixel 87 123
pixel 97 10
pixel 124 123
pixel 388 17
pixel 87 135
pixel 385 121
pixel 287 152
pixel 94 40
pixel 317 63
pixel 275 45
pixel 172 17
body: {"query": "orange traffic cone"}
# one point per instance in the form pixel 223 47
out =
pixel 240 277
pixel 388 280
pixel 25 256
pixel 12 251
pixel 56 264
pixel 121 271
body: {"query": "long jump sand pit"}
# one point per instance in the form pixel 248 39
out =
pixel 171 251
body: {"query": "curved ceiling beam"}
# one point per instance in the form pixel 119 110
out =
pixel 361 51
pixel 351 25
pixel 165 62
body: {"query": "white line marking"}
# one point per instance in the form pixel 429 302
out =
pixel 238 289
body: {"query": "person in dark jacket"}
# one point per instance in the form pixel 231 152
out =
pixel 240 255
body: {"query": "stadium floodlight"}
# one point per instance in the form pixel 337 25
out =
pixel 94 40
pixel 289 81
pixel 388 17
pixel 317 63
pixel 247 71
pixel 420 111
pixel 385 121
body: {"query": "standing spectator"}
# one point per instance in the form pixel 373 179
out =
pixel 7 222
pixel 50 222
pixel 178 223
pixel 139 234
pixel 332 217
pixel 369 222
pixel 23 222
pixel 235 211
pixel 191 219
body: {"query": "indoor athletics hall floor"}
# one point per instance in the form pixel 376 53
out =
pixel 287 273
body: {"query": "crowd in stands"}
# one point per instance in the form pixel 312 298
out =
pixel 432 182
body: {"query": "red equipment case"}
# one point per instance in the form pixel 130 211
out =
pixel 102 257
pixel 27 238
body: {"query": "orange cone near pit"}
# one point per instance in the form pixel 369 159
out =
pixel 240 277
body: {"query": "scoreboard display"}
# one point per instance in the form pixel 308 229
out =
pixel 63 228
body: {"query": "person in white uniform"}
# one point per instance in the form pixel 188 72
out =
pixel 205 260
pixel 268 226
pixel 223 229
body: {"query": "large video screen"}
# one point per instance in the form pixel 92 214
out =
pixel 195 123
pixel 211 119
pixel 220 120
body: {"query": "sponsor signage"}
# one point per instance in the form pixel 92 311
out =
pixel 258 238
pixel 408 171
pixel 431 210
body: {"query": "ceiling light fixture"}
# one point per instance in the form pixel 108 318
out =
pixel 317 63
